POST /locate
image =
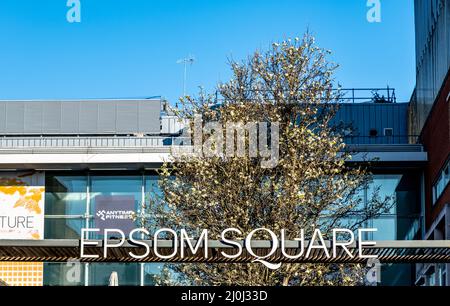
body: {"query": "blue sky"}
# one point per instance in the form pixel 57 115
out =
pixel 129 48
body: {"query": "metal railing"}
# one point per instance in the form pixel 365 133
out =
pixel 105 142
pixel 394 139
pixel 91 142
pixel 349 95
pixel 375 95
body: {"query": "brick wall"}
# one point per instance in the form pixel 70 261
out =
pixel 436 140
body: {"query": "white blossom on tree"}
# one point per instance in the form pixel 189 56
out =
pixel 310 187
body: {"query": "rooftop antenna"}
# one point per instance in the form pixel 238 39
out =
pixel 187 60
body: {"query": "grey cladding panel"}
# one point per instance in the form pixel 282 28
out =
pixel 149 117
pixel 2 117
pixel 70 116
pixel 94 117
pixel 51 123
pixel 88 117
pixel 15 118
pixel 367 116
pixel 106 117
pixel 127 119
pixel 32 117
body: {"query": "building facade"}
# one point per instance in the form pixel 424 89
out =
pixel 68 164
pixel 429 118
pixel 108 168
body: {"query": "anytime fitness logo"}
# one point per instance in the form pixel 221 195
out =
pixel 115 214
pixel 212 139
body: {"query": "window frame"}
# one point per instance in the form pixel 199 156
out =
pixel 441 182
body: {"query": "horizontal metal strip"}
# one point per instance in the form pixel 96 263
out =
pixel 64 250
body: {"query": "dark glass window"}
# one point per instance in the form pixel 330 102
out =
pixel 63 228
pixel 115 194
pixel 65 194
pixel 64 274
pixel 129 186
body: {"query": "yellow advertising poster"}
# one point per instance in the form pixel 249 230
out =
pixel 22 217
pixel 22 205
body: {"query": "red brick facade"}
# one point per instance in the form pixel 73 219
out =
pixel 436 140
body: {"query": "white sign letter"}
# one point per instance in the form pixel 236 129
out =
pixel 320 246
pixel 175 243
pixel 362 243
pixel 342 244
pixel 83 242
pixel 184 237
pixel 134 241
pixel 235 243
pixel 106 245
pixel 302 244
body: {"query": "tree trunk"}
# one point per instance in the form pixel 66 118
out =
pixel 286 281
